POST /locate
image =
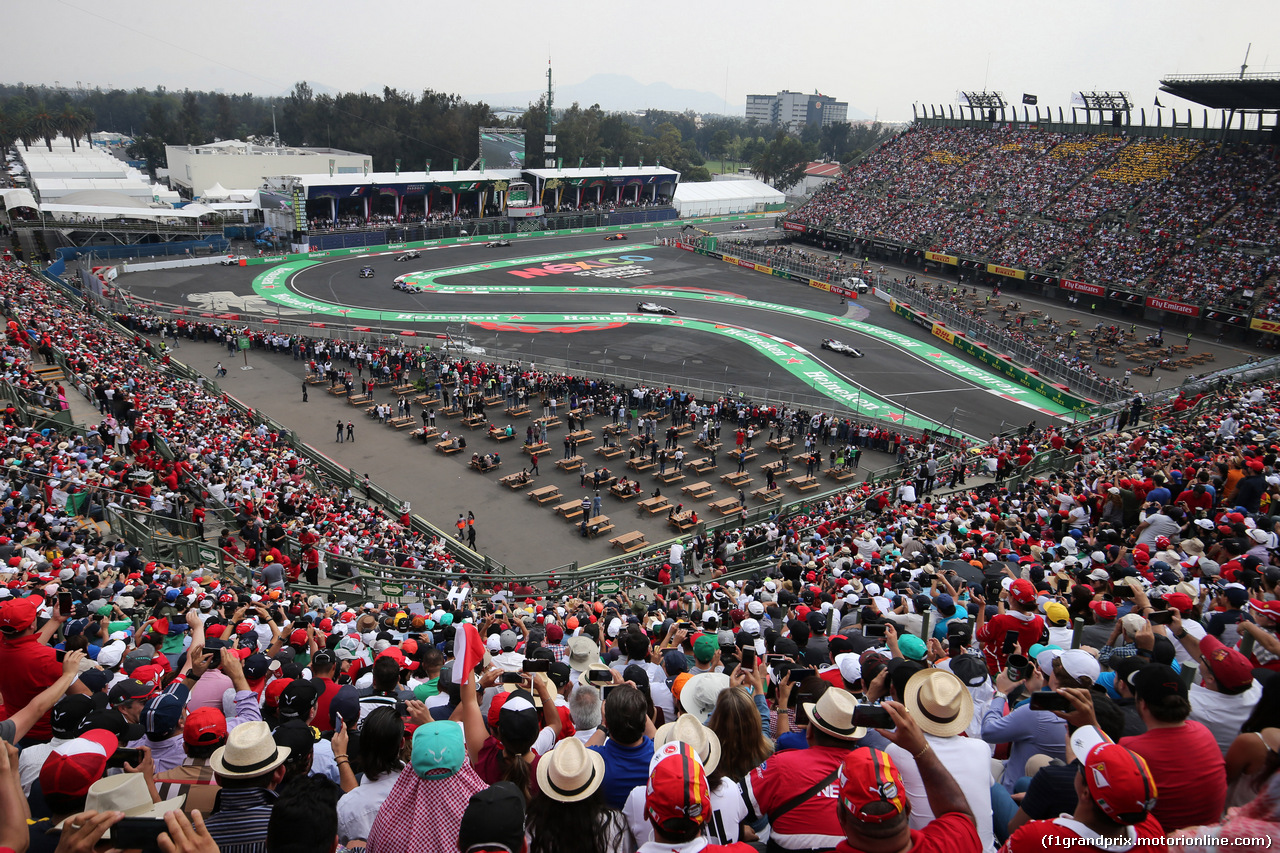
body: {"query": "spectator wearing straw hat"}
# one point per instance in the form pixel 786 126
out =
pixel 248 768
pixel 942 707
pixel 795 789
pixel 570 780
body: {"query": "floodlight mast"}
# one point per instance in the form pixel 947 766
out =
pixel 1116 103
pixel 983 104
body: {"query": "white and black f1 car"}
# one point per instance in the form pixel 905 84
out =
pixel 366 272
pixel 497 244
pixel 408 256
pixel 844 349
pixel 654 308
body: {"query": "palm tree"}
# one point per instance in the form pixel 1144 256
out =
pixel 41 125
pixel 69 124
pixel 87 122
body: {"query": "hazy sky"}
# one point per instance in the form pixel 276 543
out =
pixel 879 56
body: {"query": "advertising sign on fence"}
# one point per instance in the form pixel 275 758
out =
pixel 1007 272
pixel 939 258
pixel 1082 287
pixel 1173 307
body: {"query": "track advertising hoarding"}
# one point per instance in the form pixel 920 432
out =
pixel 502 148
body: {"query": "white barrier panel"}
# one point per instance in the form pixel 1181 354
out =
pixel 125 266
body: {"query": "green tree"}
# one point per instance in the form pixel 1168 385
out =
pixel 189 130
pixel 224 121
pixel 781 163
pixel 42 125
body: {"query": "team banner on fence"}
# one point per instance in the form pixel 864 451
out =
pixel 1082 287
pixel 1007 272
pixel 1173 307
pixel 792 226
pixel 1271 327
pixel 938 258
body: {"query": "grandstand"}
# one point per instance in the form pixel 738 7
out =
pixel 1179 219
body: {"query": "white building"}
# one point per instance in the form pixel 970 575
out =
pixel 233 163
pixel 721 198
pixel 61 175
pixel 795 110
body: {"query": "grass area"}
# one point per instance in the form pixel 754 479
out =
pixel 723 167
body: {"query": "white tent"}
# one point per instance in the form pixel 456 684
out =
pixel 217 192
pixel 718 198
pixel 14 198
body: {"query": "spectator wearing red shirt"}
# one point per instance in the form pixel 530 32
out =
pixel 1115 794
pixel 1020 619
pixel 27 665
pixel 872 806
pixel 1183 756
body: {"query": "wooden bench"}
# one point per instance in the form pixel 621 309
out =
pixel 402 421
pixel 615 429
pixel 726 506
pixel 782 445
pixel 425 400
pixel 517 411
pixel 451 412
pixel 545 495
pixel 655 415
pixel 581 413
pixel 338 390
pixel 653 506
pixel 682 431
pixel 404 390
pixel 640 440
pixel 359 399
pixel 516 481
pixel 610 451
pixel 540 448
pixel 499 434
pixel 804 484
pixel 671 476
pixel 707 446
pixel 582 436
pixel 573 463
pixel 570 510
pixel 478 465
pixel 750 454
pixel 765 493
pixel 447 446
pixel 735 478
pixel 640 464
pixel 552 421
pixel 623 495
pixel 699 491
pixel 474 421
pixel 777 466
pixel 315 379
pixel 701 466
pixel 841 475
pixel 629 542
pixel 491 400
pixel 425 434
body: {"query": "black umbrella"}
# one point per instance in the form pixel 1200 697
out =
pixel 969 572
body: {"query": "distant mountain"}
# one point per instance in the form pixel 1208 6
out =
pixel 616 93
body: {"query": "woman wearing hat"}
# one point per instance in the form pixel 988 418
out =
pixel 571 814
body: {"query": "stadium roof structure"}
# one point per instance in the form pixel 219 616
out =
pixel 1249 92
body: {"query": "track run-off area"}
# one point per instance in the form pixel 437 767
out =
pixel 698 313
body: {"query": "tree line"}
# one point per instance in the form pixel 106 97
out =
pixel 416 128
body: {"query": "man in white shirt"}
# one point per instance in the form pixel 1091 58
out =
pixel 1226 698
pixel 676 560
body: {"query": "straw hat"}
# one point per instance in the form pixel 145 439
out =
pixel 126 792
pixel 582 653
pixel 689 729
pixel 699 694
pixel 571 772
pixel 250 751
pixel 832 714
pixel 939 702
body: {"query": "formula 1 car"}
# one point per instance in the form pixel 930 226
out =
pixel 366 272
pixel 232 260
pixel 616 237
pixel 654 308
pixel 844 349
pixel 408 256
pixel 497 244
pixel 740 226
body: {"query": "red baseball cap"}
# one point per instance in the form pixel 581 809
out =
pixel 298 637
pixel 398 656
pixel 1182 602
pixel 1119 780
pixel 1105 609
pixel 75 765
pixel 274 689
pixel 17 614
pixel 1266 608
pixel 678 798
pixel 869 776
pixel 1022 591
pixel 205 727
pixel 1230 669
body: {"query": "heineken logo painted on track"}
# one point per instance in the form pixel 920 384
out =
pixel 786 355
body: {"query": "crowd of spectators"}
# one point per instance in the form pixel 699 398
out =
pixel 1083 658
pixel 1178 218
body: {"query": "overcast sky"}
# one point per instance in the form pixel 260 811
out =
pixel 879 56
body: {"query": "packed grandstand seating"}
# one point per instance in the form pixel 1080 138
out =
pixel 1184 219
pixel 750 680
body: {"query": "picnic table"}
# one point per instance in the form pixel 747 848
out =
pixel 623 494
pixel 736 478
pixel 598 525
pixel 425 434
pixel 609 451
pixel 671 475
pixel 653 506
pixel 474 421
pixel 582 436
pixel 629 542
pixel 517 411
pixel 640 463
pixel 540 448
pixel 449 445
pixel 726 506
pixel 699 491
pixel 573 463
pixel 544 495
pixel 515 481
pixel 804 484
pixel 569 509
pixel 841 475
pixel 499 434
pixel 765 493
pixel 478 465
pixel 683 521
pixel 701 466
